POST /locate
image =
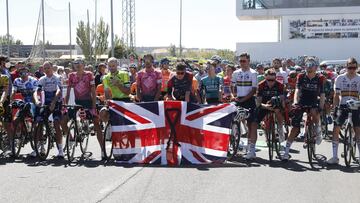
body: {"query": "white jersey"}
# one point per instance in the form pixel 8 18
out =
pixel 347 88
pixel 49 85
pixel 245 81
pixel 25 88
pixel 282 77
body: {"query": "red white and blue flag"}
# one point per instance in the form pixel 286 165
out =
pixel 198 134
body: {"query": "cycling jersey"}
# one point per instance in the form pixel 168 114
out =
pixel 115 91
pixel 282 77
pixel 6 78
pixel 148 81
pixel 25 88
pixel 166 75
pixel 310 88
pixel 347 88
pixel 266 92
pixel 82 84
pixel 211 87
pixel 244 81
pixel 49 85
pixel 178 88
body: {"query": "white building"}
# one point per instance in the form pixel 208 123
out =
pixel 329 29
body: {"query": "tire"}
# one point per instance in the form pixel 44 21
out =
pixel 310 145
pixel 18 138
pixel 84 136
pixel 347 146
pixel 71 137
pixel 42 138
pixel 107 142
pixel 269 140
pixel 234 139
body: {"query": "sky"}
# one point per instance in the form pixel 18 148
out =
pixel 206 23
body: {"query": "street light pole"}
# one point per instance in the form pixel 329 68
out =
pixel 112 30
pixel 8 33
pixel 180 27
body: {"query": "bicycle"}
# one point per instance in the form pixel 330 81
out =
pixel 349 138
pixel 310 135
pixel 44 133
pixel 235 131
pixel 4 138
pixel 22 127
pixel 79 130
pixel 271 129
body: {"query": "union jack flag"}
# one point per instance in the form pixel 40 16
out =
pixel 170 132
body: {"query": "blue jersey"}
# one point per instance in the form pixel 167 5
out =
pixel 25 88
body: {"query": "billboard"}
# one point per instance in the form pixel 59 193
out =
pixel 324 28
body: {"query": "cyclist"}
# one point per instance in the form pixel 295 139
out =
pixel 83 83
pixel 211 86
pixel 180 85
pixel 51 86
pixel 116 86
pixel 217 59
pixel 26 86
pixel 166 74
pixel 309 86
pixel 281 75
pixel 347 86
pixel 5 90
pixel 148 81
pixel 260 71
pixel 226 86
pixel 244 88
pixel 267 89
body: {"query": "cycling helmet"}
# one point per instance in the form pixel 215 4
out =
pixel 292 74
pixel 17 104
pixel 4 58
pixel 353 104
pixel 216 58
pixel 225 62
pixel 164 61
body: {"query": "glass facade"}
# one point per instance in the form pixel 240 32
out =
pixel 277 4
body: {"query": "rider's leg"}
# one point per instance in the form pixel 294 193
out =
pixel 98 133
pixel 356 123
pixel 315 115
pixel 280 123
pixel 295 122
pixel 59 137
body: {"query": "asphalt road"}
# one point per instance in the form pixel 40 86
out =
pixel 89 180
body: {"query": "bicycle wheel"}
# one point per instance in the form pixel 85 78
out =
pixel 234 139
pixel 347 145
pixel 310 145
pixel 84 136
pixel 107 142
pixel 71 141
pixel 276 142
pixel 42 140
pixel 18 138
pixel 353 150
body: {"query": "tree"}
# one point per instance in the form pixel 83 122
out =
pixel 102 37
pixel 172 50
pixel 226 54
pixel 83 39
pixel 120 50
pixel 4 40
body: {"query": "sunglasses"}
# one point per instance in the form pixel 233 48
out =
pixel 352 67
pixel 243 61
pixel 310 65
pixel 271 80
pixel 180 73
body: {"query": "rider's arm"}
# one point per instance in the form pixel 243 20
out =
pixel 158 87
pixel 337 89
pixel 322 92
pixel 93 96
pixel 297 92
pixel 125 87
pixel 138 89
pixel 68 89
pixel 4 94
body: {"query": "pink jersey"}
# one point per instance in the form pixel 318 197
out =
pixel 148 81
pixel 82 84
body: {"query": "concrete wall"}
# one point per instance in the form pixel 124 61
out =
pixel 325 49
